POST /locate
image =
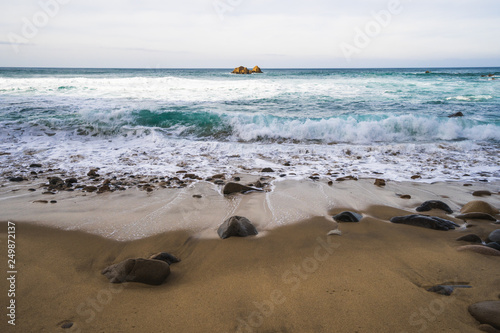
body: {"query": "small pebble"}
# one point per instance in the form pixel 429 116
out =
pixel 67 325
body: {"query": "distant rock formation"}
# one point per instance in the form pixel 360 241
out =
pixel 244 70
pixel 256 69
pixel 458 114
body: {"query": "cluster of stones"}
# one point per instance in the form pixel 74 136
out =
pixel 244 70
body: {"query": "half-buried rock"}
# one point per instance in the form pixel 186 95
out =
pixel 471 238
pixel 434 204
pixel 230 188
pixel 431 222
pixel 148 271
pixel 478 206
pixel 236 226
pixel 166 257
pixel 487 312
pixel 494 236
pixel 348 217
pixel 481 249
pixel 476 216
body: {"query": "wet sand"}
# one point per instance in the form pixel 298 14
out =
pixel 292 277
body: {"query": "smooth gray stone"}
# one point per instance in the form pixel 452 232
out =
pixel 434 204
pixel 237 226
pixel 494 245
pixel 348 217
pixel 424 221
pixel 494 236
pixel 487 312
pixel 230 188
pixel 472 238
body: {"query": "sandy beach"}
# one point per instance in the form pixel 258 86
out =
pixel 292 277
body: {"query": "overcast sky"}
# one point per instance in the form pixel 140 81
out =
pixel 229 33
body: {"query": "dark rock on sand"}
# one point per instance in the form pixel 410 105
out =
pixel 487 312
pixel 494 245
pixel 478 206
pixel 35 165
pixel 230 188
pixel 191 176
pixel 90 188
pixel 405 196
pixel 434 204
pixel 166 257
pixel 481 193
pixel 458 114
pixel 93 173
pixel 494 236
pixel 238 226
pixel 476 216
pixel 348 217
pixel 424 221
pixel 41 201
pixel 379 182
pixel 267 170
pixel 67 324
pixel 56 183
pixel 197 196
pixel 471 238
pixel 16 179
pixel 148 271
pixel 446 290
pixel 481 249
pixel 71 181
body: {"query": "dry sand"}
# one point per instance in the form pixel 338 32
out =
pixel 290 278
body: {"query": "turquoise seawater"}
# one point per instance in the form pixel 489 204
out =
pixel 356 121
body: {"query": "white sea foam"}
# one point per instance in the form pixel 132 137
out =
pixel 341 124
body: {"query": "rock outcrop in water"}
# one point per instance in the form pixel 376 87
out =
pixel 244 70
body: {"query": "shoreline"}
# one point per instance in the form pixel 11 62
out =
pixel 201 207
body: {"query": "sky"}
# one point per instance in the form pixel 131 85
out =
pixel 230 33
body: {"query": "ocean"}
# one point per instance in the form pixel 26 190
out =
pixel 383 123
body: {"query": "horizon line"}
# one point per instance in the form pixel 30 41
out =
pixel 224 68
